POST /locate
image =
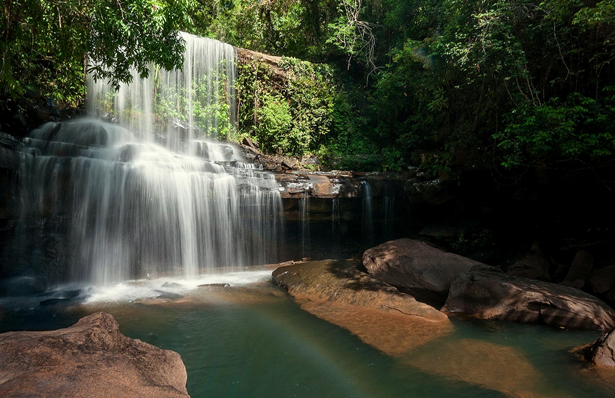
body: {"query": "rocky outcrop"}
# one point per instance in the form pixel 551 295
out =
pixel 89 359
pixel 272 62
pixel 602 351
pixel 9 164
pixel 602 282
pixel 415 267
pixel 9 156
pixel 533 265
pixel 580 269
pixel 379 314
pixel 488 295
pixel 297 180
pixel 299 183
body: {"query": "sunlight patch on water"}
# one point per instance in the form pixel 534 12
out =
pixel 151 288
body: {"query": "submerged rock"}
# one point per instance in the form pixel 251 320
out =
pixel 417 268
pixel 171 285
pixel 62 297
pixel 89 359
pixel 223 285
pixel 487 295
pixel 488 365
pixel 376 312
pixel 168 295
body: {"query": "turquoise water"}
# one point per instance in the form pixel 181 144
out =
pixel 258 343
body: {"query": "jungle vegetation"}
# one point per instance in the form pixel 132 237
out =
pixel 375 84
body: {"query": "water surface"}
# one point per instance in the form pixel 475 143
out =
pixel 251 339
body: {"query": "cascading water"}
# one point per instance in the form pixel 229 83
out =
pixel 335 219
pixel 367 219
pixel 151 195
pixel 176 108
pixel 388 217
pixel 304 208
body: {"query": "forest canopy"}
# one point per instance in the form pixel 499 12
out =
pixel 445 84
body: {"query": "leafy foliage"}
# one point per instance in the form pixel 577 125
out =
pixel 295 28
pixel 290 110
pixel 445 84
pixel 45 43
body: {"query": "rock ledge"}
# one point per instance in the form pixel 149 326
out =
pixel 380 315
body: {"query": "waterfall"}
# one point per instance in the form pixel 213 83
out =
pixel 367 219
pixel 388 217
pixel 152 194
pixel 335 219
pixel 178 107
pixel 304 208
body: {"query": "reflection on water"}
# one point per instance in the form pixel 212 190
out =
pixel 248 338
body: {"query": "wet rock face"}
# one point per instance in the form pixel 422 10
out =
pixel 89 359
pixel 487 295
pixel 414 266
pixel 9 164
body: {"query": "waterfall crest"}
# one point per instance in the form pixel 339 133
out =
pixel 152 194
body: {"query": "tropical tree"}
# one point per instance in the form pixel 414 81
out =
pixel 47 45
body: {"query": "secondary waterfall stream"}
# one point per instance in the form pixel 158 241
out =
pixel 151 194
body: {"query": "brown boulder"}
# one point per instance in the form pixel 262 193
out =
pixel 89 359
pixel 487 295
pixel 417 268
pixel 602 280
pixel 580 269
pixel 602 351
pixel 377 313
pixel 533 265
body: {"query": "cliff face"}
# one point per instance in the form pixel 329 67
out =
pixel 271 61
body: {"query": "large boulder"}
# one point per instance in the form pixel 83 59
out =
pixel 533 265
pixel 602 351
pixel 580 269
pixel 488 295
pixel 89 359
pixel 602 281
pixel 379 314
pixel 417 268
